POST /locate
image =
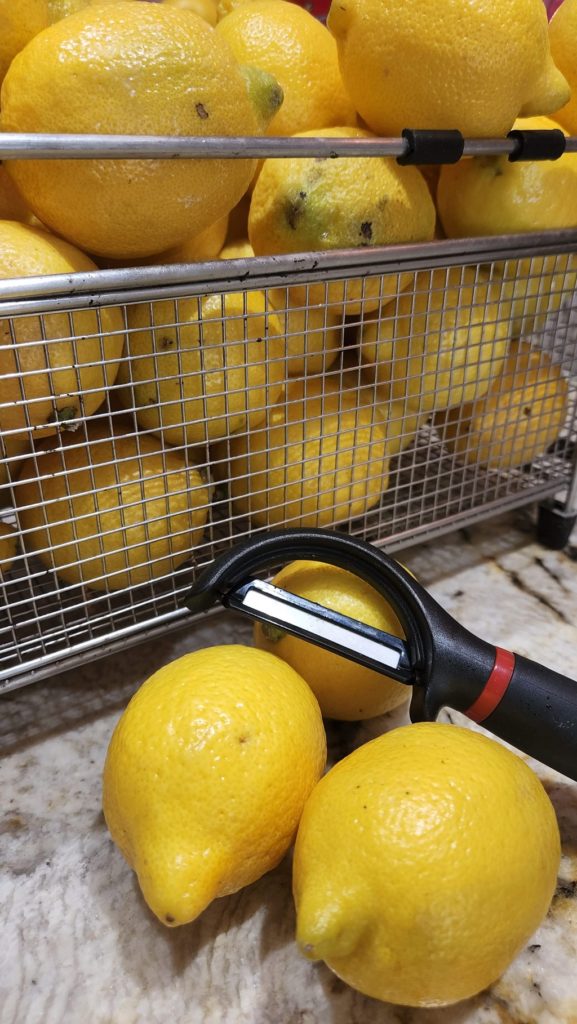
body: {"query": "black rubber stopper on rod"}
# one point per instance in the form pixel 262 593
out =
pixel 548 144
pixel 432 147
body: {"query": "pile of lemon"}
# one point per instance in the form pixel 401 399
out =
pixel 252 385
pixel 424 860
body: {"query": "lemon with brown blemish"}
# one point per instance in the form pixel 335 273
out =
pixel 522 414
pixel 300 53
pixel 165 72
pixel 311 204
pixel 45 386
pixel 198 370
pixel 490 195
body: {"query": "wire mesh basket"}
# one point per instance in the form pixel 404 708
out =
pixel 394 393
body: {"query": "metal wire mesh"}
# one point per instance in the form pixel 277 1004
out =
pixel 149 422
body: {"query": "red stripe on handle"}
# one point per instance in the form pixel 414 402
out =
pixel 495 687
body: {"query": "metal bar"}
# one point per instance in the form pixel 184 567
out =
pixel 141 147
pixel 570 503
pixel 96 642
pixel 432 488
pixel 48 146
pixel 125 285
pixel 18 676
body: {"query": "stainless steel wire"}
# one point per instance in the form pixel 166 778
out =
pixel 146 426
pixel 28 146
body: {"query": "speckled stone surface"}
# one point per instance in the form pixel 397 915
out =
pixel 77 943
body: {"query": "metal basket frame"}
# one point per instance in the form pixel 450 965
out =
pixel 105 615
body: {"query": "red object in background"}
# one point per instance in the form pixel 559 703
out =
pixel 319 8
pixel 552 6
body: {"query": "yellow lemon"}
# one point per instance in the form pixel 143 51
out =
pixel 210 376
pixel 302 205
pixel 396 417
pixel 475 67
pixel 205 9
pixel 401 424
pixel 20 21
pixel 47 380
pixel 224 7
pixel 110 511
pixel 133 68
pixel 314 335
pixel 492 196
pixel 207 774
pixel 563 40
pixel 424 861
pixel 489 195
pixel 58 9
pixel 519 418
pixel 399 421
pixel 8 547
pixel 204 246
pixel 305 466
pixel 300 53
pixel 239 249
pixel 331 392
pixel 344 689
pixel 336 390
pixel 441 343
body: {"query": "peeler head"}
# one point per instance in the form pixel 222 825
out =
pixel 415 609
pixel 445 664
pixel 526 704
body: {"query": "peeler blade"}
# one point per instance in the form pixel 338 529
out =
pixel 338 633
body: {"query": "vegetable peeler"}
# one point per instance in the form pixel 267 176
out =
pixel 524 703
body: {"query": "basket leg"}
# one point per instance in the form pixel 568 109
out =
pixel 555 522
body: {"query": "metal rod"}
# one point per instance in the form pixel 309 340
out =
pixel 117 640
pixel 48 146
pixel 570 505
pixel 28 295
pixel 489 147
pixel 138 147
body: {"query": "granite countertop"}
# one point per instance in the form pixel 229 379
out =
pixel 77 943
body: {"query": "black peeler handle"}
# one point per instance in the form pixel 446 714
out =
pixel 538 714
pixel 526 704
